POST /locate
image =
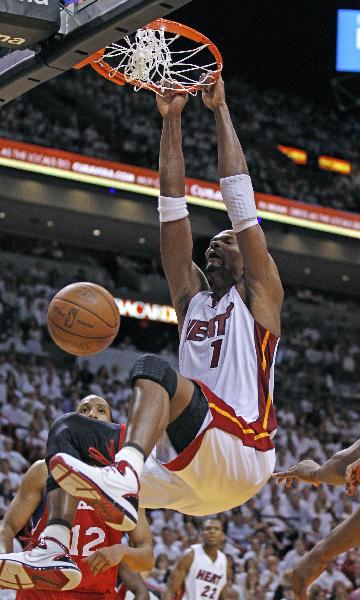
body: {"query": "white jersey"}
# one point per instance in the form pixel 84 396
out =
pixel 226 349
pixel 206 578
pixel 232 456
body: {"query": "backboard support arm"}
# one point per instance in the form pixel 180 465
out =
pixel 80 35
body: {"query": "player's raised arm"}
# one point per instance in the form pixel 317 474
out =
pixel 184 278
pixel 22 507
pixel 264 292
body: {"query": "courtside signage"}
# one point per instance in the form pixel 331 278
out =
pixel 137 309
pixel 10 40
pixel 76 167
pixel 27 22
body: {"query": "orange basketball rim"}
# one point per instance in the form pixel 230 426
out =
pixel 153 60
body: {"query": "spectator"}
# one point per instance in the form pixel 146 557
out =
pixel 330 577
pixel 17 462
pixel 281 118
pixel 168 545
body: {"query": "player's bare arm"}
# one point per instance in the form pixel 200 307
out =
pixel 179 574
pixel 229 578
pixel 185 279
pixel 22 507
pixel 333 471
pixel 342 538
pixel 261 287
pixel 134 582
pixel 139 556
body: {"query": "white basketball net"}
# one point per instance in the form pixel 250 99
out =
pixel 149 59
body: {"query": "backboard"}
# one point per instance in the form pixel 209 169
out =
pixel 86 26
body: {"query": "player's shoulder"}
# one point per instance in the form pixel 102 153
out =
pixel 188 557
pixel 202 294
pixel 38 470
pixel 39 465
pixel 34 480
pixel 200 297
pixel 196 547
pixel 193 550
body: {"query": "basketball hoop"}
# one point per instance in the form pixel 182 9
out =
pixel 158 58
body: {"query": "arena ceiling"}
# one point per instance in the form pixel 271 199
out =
pixel 286 45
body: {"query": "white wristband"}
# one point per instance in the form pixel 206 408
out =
pixel 238 195
pixel 172 209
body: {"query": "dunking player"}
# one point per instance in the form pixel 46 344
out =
pixel 94 546
pixel 212 423
pixel 202 571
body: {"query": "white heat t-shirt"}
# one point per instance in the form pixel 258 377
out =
pixel 206 578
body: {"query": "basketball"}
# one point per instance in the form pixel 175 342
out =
pixel 83 319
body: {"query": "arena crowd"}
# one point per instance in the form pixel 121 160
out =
pixel 125 126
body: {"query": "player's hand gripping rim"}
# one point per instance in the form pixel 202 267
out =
pixel 212 92
pixel 170 103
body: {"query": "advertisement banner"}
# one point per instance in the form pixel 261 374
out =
pixel 139 180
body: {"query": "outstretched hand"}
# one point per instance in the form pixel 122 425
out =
pixel 352 477
pixel 303 471
pixel 213 94
pixel 171 103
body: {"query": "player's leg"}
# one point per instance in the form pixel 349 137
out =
pixel 89 440
pixel 48 565
pixel 160 395
pixel 61 511
pixel 159 402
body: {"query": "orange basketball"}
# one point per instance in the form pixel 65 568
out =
pixel 83 319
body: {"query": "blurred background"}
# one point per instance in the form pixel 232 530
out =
pixel 297 118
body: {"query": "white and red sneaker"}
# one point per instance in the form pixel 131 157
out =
pixel 113 491
pixel 45 567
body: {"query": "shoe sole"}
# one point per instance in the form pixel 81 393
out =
pixel 18 576
pixel 80 486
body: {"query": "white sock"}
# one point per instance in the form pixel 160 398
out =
pixel 58 532
pixel 133 457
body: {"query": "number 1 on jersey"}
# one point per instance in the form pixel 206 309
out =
pixel 216 345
